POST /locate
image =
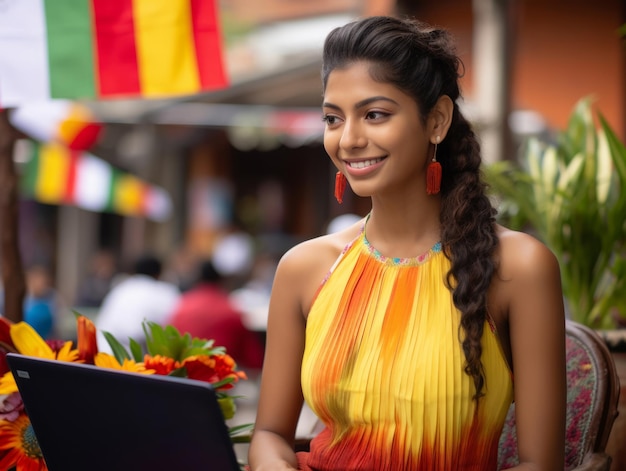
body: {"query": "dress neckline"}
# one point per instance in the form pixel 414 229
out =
pixel 399 261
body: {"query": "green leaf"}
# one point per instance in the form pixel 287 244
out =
pixel 618 149
pixel 168 341
pixel 119 352
pixel 156 340
pixel 237 433
pixel 549 170
pixel 223 382
pixel 179 372
pixel 136 350
pixel 569 176
pixel 603 178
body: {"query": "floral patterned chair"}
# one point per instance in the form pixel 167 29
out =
pixel 592 397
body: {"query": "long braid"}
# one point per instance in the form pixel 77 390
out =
pixel 468 237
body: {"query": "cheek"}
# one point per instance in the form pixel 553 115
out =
pixel 330 143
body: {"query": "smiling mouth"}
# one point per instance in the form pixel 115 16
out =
pixel 364 163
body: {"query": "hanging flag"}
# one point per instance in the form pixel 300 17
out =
pixel 58 175
pixel 99 49
pixel 69 123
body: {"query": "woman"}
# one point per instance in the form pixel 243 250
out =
pixel 410 333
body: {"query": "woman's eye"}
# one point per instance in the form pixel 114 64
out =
pixel 376 115
pixel 329 119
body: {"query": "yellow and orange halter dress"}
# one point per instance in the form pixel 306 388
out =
pixel 383 370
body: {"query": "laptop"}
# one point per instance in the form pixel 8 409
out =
pixel 91 418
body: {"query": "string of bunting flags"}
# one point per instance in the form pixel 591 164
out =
pixel 99 50
pixel 55 174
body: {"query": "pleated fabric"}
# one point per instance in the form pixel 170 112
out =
pixel 383 369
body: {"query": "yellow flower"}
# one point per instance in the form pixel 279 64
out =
pixel 7 384
pixel 20 447
pixel 28 342
pixel 104 360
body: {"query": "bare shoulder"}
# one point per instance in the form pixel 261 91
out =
pixel 527 288
pixel 304 266
pixel 317 251
pixel 522 256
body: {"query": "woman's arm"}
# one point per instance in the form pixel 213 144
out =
pixel 280 399
pixel 537 334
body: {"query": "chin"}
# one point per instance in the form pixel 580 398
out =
pixel 362 193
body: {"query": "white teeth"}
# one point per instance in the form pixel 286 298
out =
pixel 364 163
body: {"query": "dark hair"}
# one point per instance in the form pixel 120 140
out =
pixel 148 265
pixel 421 61
pixel 208 272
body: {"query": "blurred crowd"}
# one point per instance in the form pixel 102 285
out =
pixel 223 296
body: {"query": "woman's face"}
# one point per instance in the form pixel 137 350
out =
pixel 374 133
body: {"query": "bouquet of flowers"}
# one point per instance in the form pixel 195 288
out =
pixel 166 352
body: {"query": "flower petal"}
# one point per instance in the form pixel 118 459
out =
pixel 24 449
pixel 87 343
pixel 213 369
pixel 104 360
pixel 29 342
pixel 9 458
pixel 8 384
pixel 160 364
pixel 66 353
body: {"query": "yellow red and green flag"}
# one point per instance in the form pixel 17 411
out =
pixel 99 49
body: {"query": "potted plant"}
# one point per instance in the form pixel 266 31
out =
pixel 571 194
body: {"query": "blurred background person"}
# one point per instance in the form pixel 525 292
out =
pixel 253 298
pixel 142 296
pixel 181 268
pixel 42 306
pixel 98 281
pixel 205 311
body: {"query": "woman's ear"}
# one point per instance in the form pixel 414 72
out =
pixel 440 117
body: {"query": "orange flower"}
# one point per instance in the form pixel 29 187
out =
pixel 213 369
pixel 23 452
pixel 87 343
pixel 160 364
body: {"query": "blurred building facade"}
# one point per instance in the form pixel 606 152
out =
pixel 250 157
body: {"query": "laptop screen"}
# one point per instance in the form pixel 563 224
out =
pixel 91 418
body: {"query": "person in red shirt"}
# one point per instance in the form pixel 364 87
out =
pixel 205 311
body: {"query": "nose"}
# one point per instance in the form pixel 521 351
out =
pixel 353 135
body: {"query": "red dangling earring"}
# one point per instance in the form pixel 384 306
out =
pixel 340 186
pixel 433 174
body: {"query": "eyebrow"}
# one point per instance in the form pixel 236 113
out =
pixel 361 103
